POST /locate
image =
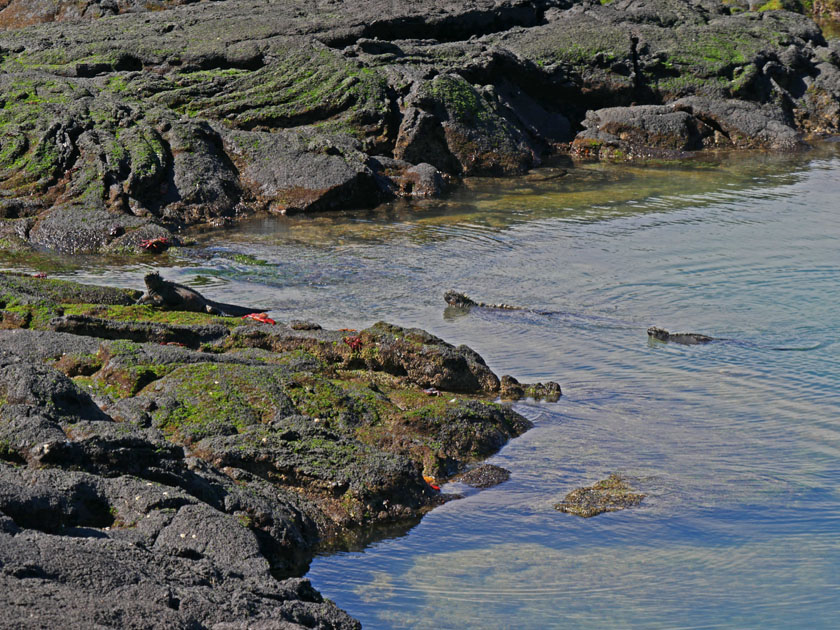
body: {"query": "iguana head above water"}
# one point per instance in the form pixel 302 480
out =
pixel 453 298
pixel 687 339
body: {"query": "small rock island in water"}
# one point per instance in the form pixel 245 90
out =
pixel 608 495
pixel 175 469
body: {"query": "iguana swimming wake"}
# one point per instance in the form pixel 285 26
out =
pixel 460 300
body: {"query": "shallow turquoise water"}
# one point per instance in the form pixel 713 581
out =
pixel 736 443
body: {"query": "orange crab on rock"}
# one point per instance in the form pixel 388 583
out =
pixel 263 318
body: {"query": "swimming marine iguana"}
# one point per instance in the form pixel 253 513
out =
pixel 687 339
pixel 460 300
pixel 453 298
pixel 177 297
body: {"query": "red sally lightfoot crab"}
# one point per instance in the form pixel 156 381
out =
pixel 259 317
pixel 156 245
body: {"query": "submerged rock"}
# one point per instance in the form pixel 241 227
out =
pixel 609 495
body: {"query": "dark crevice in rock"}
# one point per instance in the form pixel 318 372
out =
pixel 125 62
pixel 79 508
pixel 232 189
pixel 8 454
pixel 189 554
pixel 59 141
pixel 450 28
pixel 712 124
pixel 393 119
pixel 167 192
pixel 128 63
pixel 285 562
pixel 27 572
pixel 637 76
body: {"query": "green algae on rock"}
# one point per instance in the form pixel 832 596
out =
pixel 181 445
pixel 608 495
pixel 302 409
pixel 163 115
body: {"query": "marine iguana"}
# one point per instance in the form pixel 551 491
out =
pixel 453 298
pixel 460 300
pixel 687 339
pixel 510 388
pixel 177 297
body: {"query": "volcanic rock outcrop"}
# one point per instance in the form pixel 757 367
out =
pixel 164 468
pixel 121 121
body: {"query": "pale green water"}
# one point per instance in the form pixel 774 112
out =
pixel 737 444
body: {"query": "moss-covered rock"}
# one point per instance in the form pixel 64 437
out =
pixel 608 495
pixel 208 111
pixel 234 458
pixel 348 420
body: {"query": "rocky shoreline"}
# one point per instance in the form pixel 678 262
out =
pixel 178 469
pixel 123 122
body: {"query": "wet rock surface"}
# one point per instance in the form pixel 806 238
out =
pixel 609 495
pixel 512 389
pixel 122 121
pixel 484 476
pixel 145 483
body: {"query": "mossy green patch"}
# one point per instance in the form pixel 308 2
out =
pixel 300 359
pixel 148 313
pixel 244 519
pixel 796 6
pixel 9 454
pixel 82 364
pixel 219 399
pixel 99 388
pixel 130 380
pixel 63 292
pixel 117 83
pixel 460 99
pixel 247 259
pixel 23 313
pixel 608 495
pixel 333 400
pixel 303 86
